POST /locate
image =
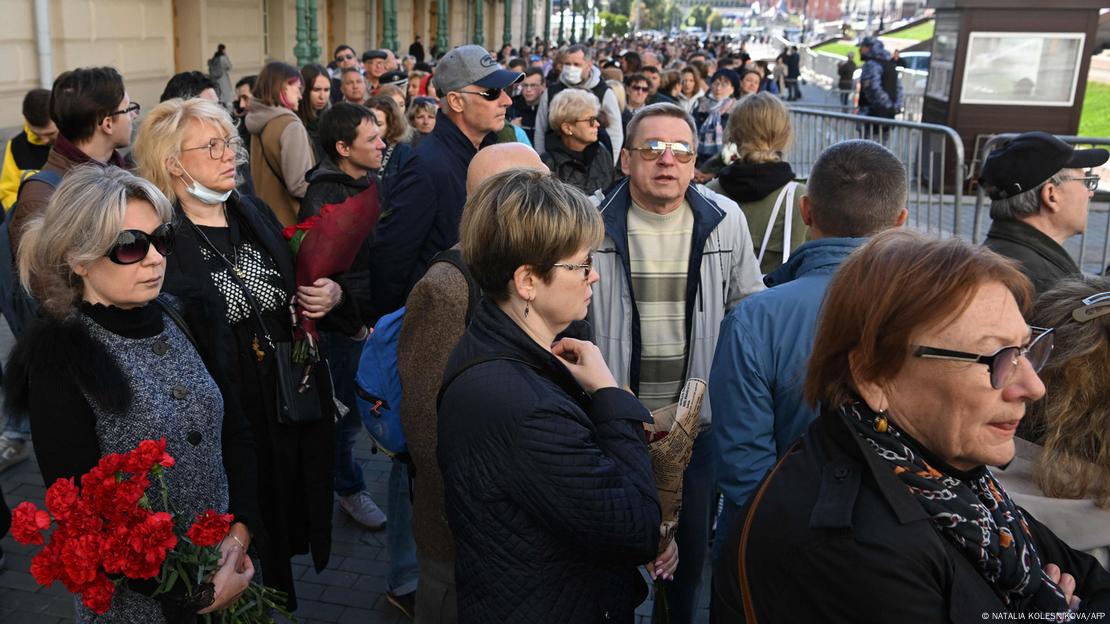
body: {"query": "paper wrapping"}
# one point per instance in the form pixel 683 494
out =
pixel 671 454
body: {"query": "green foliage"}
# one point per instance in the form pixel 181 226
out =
pixel 843 48
pixel 1094 121
pixel 620 7
pixel 613 24
pixel 919 32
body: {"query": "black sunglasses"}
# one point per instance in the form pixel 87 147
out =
pixel 490 94
pixel 133 245
pixel 1003 363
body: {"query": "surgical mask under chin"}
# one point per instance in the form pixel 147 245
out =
pixel 202 193
pixel 572 74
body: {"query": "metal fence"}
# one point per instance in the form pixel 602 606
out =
pixel 933 156
pixel 1091 249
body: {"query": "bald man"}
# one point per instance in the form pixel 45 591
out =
pixel 437 312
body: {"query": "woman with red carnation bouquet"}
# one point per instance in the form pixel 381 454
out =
pixel 107 366
pixel 235 272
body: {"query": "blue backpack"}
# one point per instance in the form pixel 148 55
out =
pixel 17 306
pixel 378 382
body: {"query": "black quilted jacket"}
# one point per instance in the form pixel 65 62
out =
pixel 549 491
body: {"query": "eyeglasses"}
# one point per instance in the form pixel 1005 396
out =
pixel 652 150
pixel 133 245
pixel 345 57
pixel 1089 181
pixel 216 147
pixel 490 94
pixel 585 268
pixel 133 108
pixel 1004 362
pixel 590 120
pixel 640 89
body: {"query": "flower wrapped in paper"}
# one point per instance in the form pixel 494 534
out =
pixel 324 245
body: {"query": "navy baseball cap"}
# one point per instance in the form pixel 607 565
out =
pixel 1029 159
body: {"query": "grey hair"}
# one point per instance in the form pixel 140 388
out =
pixel 79 225
pixel 660 109
pixel 1024 204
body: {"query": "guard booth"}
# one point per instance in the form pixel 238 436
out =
pixel 1009 66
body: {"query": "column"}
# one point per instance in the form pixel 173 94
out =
pixel 529 27
pixel 479 23
pixel 301 49
pixel 313 32
pixel 441 27
pixel 389 34
pixel 559 39
pixel 507 31
pixel 547 19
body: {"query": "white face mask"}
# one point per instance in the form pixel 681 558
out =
pixel 202 193
pixel 572 74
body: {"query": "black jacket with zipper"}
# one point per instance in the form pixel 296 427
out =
pixel 549 491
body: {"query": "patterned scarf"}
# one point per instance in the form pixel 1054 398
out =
pixel 973 512
pixel 711 135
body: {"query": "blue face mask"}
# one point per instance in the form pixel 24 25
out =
pixel 202 193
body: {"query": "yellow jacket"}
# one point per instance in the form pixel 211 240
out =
pixel 24 155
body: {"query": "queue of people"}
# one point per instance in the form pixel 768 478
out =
pixel 864 452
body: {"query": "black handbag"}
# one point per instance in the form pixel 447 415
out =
pixel 305 393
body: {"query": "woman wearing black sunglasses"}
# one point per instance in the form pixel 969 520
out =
pixel 233 262
pixel 888 510
pixel 106 366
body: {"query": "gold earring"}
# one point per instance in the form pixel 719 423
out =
pixel 881 423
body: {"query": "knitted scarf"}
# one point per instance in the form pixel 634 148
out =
pixel 972 510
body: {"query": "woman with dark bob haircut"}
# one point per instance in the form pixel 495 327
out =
pixel 549 490
pixel 887 510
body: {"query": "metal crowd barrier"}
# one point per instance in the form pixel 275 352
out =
pixel 933 156
pixel 1097 235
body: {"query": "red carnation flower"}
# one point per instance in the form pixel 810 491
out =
pixel 147 545
pixel 46 567
pixel 61 498
pixel 97 595
pixel 210 528
pixel 80 558
pixel 28 523
pixel 148 454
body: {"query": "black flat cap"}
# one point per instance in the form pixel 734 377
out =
pixel 1031 158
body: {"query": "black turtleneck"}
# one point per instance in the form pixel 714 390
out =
pixel 140 322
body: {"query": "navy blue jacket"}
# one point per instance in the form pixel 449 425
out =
pixel 757 381
pixel 423 206
pixel 549 491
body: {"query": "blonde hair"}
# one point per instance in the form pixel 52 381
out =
pixel 759 125
pixel 569 104
pixel 1074 415
pixel 163 132
pixel 524 217
pixel 618 90
pixel 80 224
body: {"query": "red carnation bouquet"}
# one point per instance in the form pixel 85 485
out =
pixel 326 244
pixel 106 533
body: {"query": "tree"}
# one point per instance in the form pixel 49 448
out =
pixel 613 25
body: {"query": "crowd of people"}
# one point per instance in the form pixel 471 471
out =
pixel 573 233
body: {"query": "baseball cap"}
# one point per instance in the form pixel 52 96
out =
pixel 374 54
pixel 1031 158
pixel 472 65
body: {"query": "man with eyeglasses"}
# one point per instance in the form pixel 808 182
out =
pixel 376 63
pixel 675 259
pixel 345 58
pixel 427 196
pixel 639 88
pixel 1040 188
pixel 527 103
pixel 93 114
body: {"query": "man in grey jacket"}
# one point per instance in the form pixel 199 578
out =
pixel 676 258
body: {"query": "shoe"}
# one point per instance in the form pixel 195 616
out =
pixel 12 452
pixel 364 510
pixel 405 603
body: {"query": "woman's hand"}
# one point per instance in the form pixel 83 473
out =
pixel 233 576
pixel 319 298
pixel 665 564
pixel 701 177
pixel 583 360
pixel 1065 582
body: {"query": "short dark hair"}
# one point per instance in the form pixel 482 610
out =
pixel 36 107
pixel 82 98
pixel 856 188
pixel 650 69
pixel 518 62
pixel 348 71
pixel 187 85
pixel 247 80
pixel 631 79
pixel 578 47
pixel 340 123
pixel 339 48
pixel 534 71
pixel 272 79
pixel 309 74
